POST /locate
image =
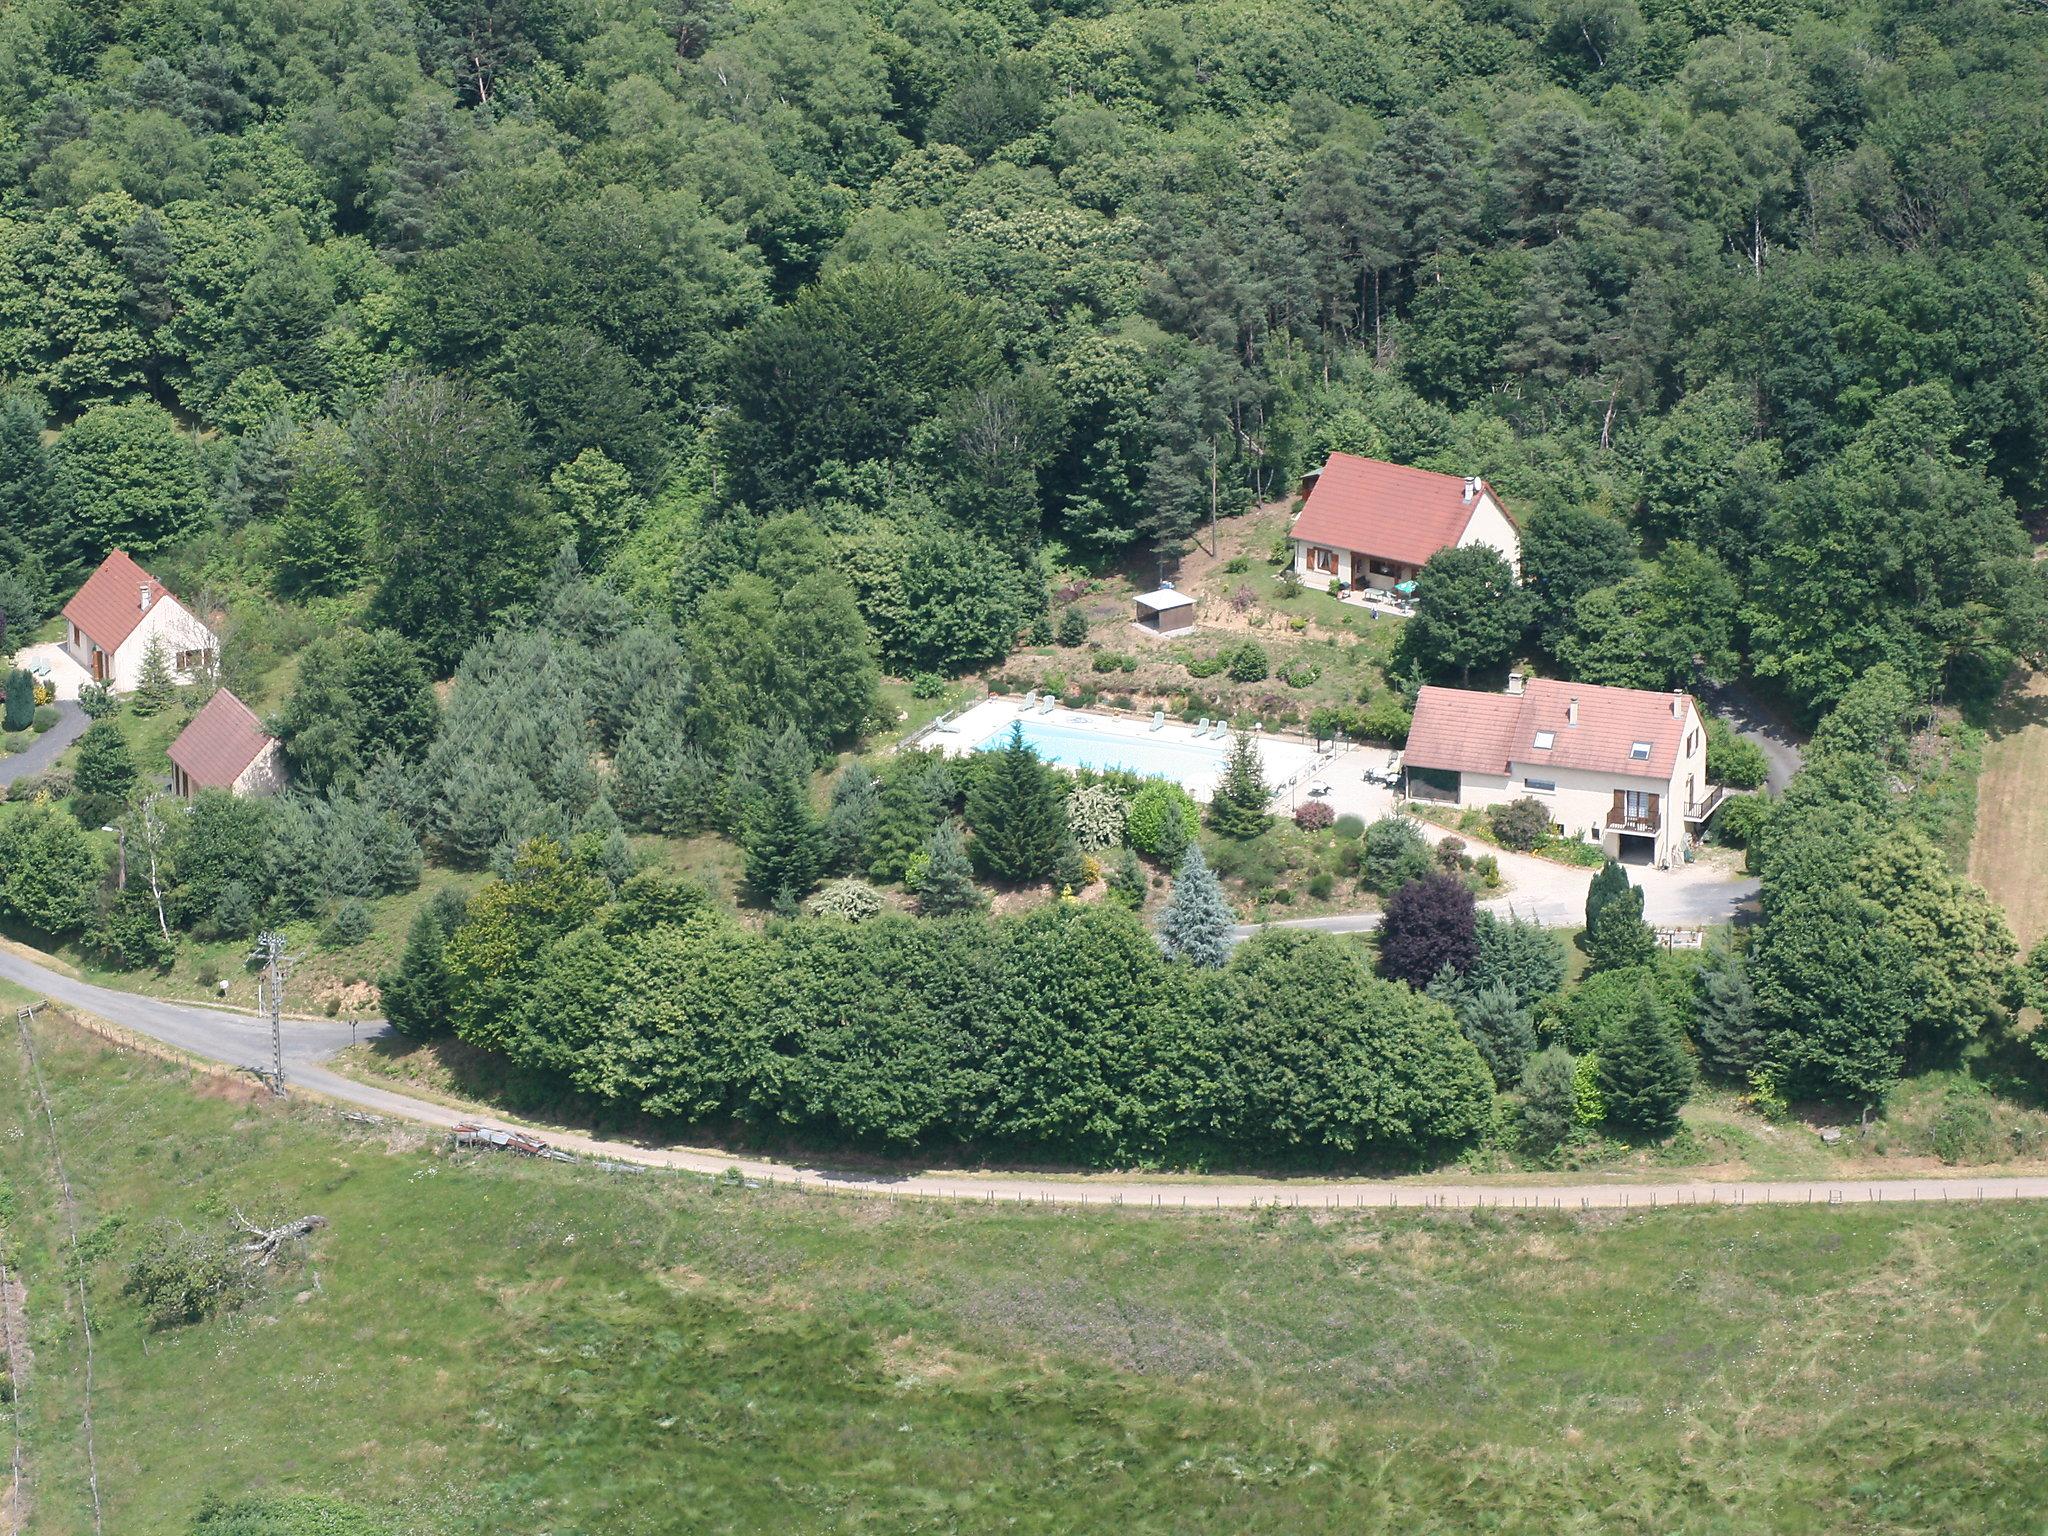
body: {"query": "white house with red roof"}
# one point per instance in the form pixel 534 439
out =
pixel 1622 767
pixel 117 613
pixel 225 747
pixel 1370 524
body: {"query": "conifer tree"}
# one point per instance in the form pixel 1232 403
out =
pixel 103 768
pixel 783 842
pixel 21 700
pixel 1238 808
pixel 1644 1073
pixel 154 688
pixel 1496 1022
pixel 1609 883
pixel 1732 1037
pixel 856 803
pixel 1016 813
pixel 1618 937
pixel 1197 922
pixel 416 994
pixel 1549 1091
pixel 948 884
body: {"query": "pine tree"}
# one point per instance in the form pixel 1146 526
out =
pixel 1197 922
pixel 1732 1037
pixel 1644 1073
pixel 103 766
pixel 1609 883
pixel 783 843
pixel 948 883
pixel 1238 808
pixel 856 803
pixel 1618 937
pixel 1499 1025
pixel 21 701
pixel 1069 866
pixel 1016 813
pixel 157 685
pixel 1549 1090
pixel 416 994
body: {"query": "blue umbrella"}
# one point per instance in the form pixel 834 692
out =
pixel 1404 587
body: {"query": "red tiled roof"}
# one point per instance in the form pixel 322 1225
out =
pixel 1385 510
pixel 224 738
pixel 109 605
pixel 1470 732
pixel 1461 731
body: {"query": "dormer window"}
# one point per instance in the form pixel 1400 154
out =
pixel 1545 740
pixel 1640 751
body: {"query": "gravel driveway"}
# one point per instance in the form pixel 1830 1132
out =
pixel 48 747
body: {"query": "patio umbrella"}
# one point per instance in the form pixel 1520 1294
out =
pixel 1405 588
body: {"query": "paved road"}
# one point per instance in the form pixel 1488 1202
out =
pixel 242 1041
pixel 1750 720
pixel 48 747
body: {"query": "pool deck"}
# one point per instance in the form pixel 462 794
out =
pixel 1286 762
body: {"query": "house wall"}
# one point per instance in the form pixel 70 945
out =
pixel 1490 525
pixel 1311 577
pixel 1581 800
pixel 168 620
pixel 263 776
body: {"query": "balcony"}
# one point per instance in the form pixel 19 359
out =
pixel 1700 810
pixel 1621 821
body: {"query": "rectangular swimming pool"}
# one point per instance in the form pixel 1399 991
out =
pixel 1072 746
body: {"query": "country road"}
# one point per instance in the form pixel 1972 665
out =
pixel 242 1041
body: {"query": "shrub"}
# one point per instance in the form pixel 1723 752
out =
pixel 1095 817
pixel 1450 854
pixel 1744 820
pixel 349 925
pixel 1386 719
pixel 1487 868
pixel 14 741
pixel 180 1276
pixel 1962 1132
pixel 1520 824
pixel 927 685
pixel 1161 820
pixel 1237 565
pixel 1301 674
pixel 1313 816
pixel 1395 853
pixel 1321 885
pixel 853 900
pixel 1290 584
pixel 97 808
pixel 1040 632
pixel 1588 1107
pixel 1073 626
pixel 98 701
pixel 1208 666
pixel 1349 826
pixel 46 716
pixel 1113 661
pixel 1248 663
pixel 1733 760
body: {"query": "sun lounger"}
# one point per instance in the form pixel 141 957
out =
pixel 1158 719
pixel 1045 705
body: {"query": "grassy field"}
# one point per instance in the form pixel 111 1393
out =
pixel 2009 856
pixel 486 1345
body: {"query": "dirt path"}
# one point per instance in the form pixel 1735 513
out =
pixel 2009 855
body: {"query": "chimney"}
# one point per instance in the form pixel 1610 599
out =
pixel 1471 486
pixel 1571 713
pixel 1677 704
pixel 144 590
pixel 1515 682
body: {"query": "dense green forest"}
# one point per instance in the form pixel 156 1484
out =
pixel 668 375
pixel 1758 282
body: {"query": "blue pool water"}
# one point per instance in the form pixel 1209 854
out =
pixel 1071 746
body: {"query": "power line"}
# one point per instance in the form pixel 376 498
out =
pixel 277 966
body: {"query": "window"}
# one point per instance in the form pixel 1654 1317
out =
pixel 1320 559
pixel 1540 786
pixel 191 661
pixel 1545 740
pixel 1640 751
pixel 1692 742
pixel 1638 804
pixel 1383 568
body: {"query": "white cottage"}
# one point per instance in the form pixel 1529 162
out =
pixel 117 613
pixel 1371 524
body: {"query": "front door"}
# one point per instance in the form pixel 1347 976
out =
pixel 99 664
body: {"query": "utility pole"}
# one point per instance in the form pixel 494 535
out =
pixel 276 966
